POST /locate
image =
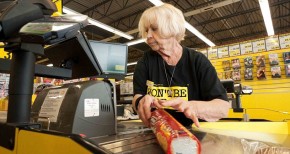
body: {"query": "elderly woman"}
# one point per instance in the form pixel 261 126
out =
pixel 175 77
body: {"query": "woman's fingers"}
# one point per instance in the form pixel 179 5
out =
pixel 144 108
pixel 172 102
pixel 183 106
pixel 177 104
pixel 189 113
pixel 156 104
pixel 147 107
pixel 141 113
pixel 195 120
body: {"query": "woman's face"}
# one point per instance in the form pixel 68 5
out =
pixel 161 45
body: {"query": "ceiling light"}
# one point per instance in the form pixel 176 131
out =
pixel 188 26
pixel 99 24
pixel 264 5
pixel 130 73
pixel 187 14
pixel 133 63
pixel 210 7
pixel 198 34
pixel 156 2
pixel 135 42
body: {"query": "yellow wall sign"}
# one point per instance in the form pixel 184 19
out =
pixel 234 49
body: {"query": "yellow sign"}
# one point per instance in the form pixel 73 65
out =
pixel 246 47
pixel 259 45
pixel 168 93
pixel 212 53
pixel 234 49
pixel 223 51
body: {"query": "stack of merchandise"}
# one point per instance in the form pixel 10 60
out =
pixel 261 70
pixel 236 72
pixel 248 68
pixel 274 63
pixel 286 57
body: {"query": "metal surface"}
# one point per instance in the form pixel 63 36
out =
pixel 133 143
pixel 134 138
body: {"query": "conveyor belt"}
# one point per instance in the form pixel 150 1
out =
pixel 131 141
pixel 129 144
pixel 134 138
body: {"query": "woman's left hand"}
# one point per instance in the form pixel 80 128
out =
pixel 189 109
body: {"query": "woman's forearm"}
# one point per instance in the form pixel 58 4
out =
pixel 212 110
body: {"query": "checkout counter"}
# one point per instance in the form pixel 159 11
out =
pixel 81 117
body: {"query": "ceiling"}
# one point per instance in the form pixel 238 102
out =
pixel 222 24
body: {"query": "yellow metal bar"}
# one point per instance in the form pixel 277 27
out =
pixel 261 127
pixel 268 132
pixel 30 142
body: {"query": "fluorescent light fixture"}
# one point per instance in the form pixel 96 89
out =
pixel 156 2
pixel 130 73
pixel 188 26
pixel 99 24
pixel 135 42
pixel 210 7
pixel 120 33
pixel 265 8
pixel 69 11
pixel 198 34
pixel 133 63
pixel 49 65
pixel 187 14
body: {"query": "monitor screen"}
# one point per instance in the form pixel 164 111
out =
pixel 112 57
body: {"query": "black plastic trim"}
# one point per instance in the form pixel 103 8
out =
pixel 7 136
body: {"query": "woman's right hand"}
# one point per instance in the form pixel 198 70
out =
pixel 144 108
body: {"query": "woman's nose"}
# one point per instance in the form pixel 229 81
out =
pixel 149 33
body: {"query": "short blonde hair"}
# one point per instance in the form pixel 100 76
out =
pixel 170 21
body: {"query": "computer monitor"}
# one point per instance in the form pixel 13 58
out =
pixel 112 58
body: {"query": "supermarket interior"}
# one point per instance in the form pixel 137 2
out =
pixel 76 76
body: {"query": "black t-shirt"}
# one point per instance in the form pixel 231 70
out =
pixel 193 71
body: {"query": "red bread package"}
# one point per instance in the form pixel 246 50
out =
pixel 172 136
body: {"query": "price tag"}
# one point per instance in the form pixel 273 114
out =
pixel 284 41
pixel 272 43
pixel 223 51
pixel 246 48
pixel 212 53
pixel 259 45
pixel 234 50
